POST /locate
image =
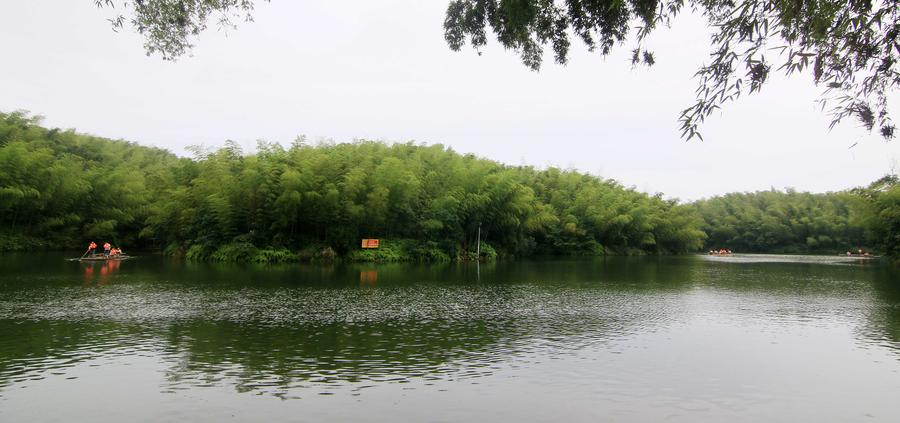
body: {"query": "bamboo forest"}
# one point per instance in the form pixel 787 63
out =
pixel 60 189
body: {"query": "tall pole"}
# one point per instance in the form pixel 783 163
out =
pixel 478 255
pixel 478 248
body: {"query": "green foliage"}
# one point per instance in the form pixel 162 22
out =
pixel 198 253
pixel 316 253
pixel 387 252
pixel 881 213
pixel 790 222
pixel 428 251
pixel 65 189
pixel 235 252
pixel 275 255
pixel 488 253
pixel 174 249
pixel 404 250
pixel 313 197
pixel 849 47
pixel 168 26
pixel 16 242
pixel 60 189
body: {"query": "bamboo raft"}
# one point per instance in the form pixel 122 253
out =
pixel 859 256
pixel 102 258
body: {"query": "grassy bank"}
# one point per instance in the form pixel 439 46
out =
pixel 390 251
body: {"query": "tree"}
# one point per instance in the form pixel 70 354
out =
pixel 168 25
pixel 852 47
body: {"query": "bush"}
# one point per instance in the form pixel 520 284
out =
pixel 404 250
pixel 429 251
pixel 174 250
pixel 18 242
pixel 488 253
pixel 197 252
pixel 235 252
pixel 387 252
pixel 316 253
pixel 275 255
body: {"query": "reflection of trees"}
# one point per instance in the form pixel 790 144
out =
pixel 867 294
pixel 612 272
pixel 885 312
pixel 418 322
pixel 783 279
pixel 279 358
pixel 396 333
pixel 309 327
pixel 257 357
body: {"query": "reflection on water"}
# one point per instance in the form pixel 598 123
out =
pixel 883 318
pixel 368 277
pixel 99 272
pixel 298 336
pixel 296 331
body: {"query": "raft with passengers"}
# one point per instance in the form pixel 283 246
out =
pixel 109 253
pixel 720 252
pixel 860 254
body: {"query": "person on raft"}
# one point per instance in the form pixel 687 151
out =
pixel 106 248
pixel 92 247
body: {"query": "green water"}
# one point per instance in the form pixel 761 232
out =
pixel 692 339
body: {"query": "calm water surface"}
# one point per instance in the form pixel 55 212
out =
pixel 691 339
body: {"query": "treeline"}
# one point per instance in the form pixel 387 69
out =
pixel 784 222
pixel 801 222
pixel 59 189
pixel 880 204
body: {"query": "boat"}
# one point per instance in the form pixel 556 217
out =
pixel 102 258
pixel 859 256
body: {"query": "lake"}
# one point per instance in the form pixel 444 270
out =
pixel 685 339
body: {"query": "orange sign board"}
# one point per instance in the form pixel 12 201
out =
pixel 370 243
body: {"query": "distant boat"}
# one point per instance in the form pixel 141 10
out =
pixel 862 256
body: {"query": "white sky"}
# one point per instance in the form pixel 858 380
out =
pixel 381 70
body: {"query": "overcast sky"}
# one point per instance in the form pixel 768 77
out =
pixel 381 70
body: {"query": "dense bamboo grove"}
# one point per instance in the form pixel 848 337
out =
pixel 880 205
pixel 800 222
pixel 789 222
pixel 60 189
